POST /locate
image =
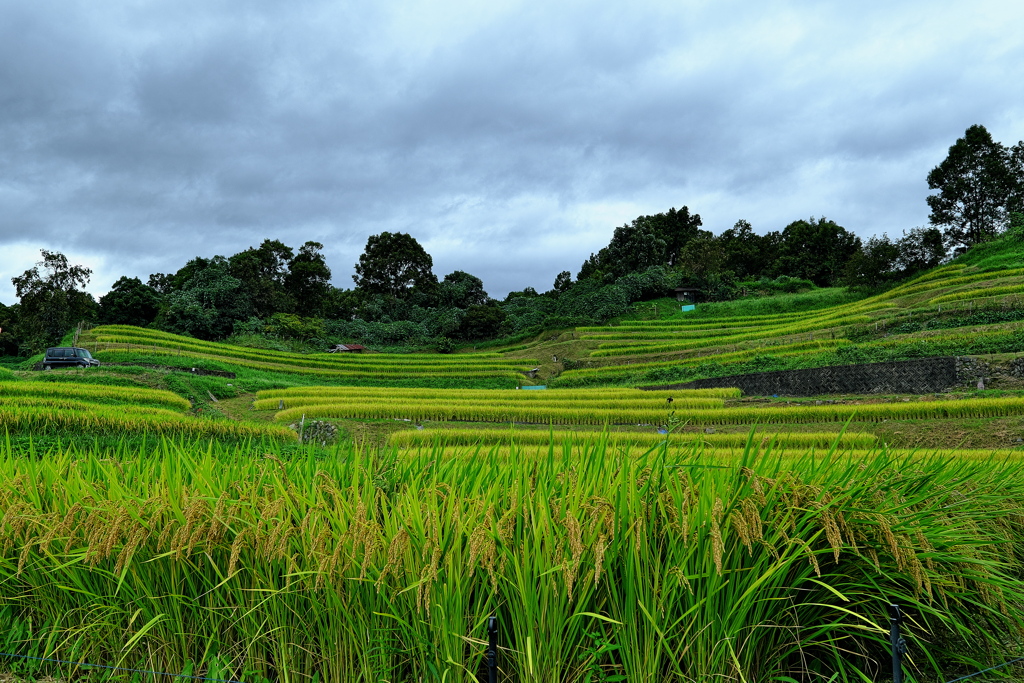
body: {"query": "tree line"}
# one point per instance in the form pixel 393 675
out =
pixel 277 296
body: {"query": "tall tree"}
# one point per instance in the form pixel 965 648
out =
pixel 162 283
pixel 816 250
pixel 461 290
pixel 563 281
pixel 647 241
pixel 9 339
pixel 920 249
pixel 591 268
pixel 675 228
pixel 633 247
pixel 748 254
pixel 308 282
pixel 208 303
pixel 129 302
pixel 53 300
pixel 262 272
pixel 703 257
pixel 1016 165
pixel 975 184
pixel 393 264
pixel 874 265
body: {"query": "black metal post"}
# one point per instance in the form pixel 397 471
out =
pixel 492 649
pixel 899 645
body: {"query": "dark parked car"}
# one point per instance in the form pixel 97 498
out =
pixel 68 356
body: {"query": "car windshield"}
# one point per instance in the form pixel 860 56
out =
pixel 82 353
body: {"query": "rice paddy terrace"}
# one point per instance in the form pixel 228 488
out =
pixel 617 534
pixel 55 409
pixel 957 309
pixel 121 343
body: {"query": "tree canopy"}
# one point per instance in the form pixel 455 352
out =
pixel 52 299
pixel 815 250
pixel 645 242
pixel 207 304
pixel 747 253
pixel 308 281
pixel 262 272
pixel 129 302
pixel 395 264
pixel 461 290
pixel 978 184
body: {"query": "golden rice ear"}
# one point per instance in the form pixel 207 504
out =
pixel 430 570
pixel 738 523
pixel 396 555
pixel 574 543
pixel 717 543
pixel 752 515
pixel 236 551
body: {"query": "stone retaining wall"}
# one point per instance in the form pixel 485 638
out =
pixel 920 376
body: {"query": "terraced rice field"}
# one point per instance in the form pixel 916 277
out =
pixel 69 408
pixel 115 342
pixel 627 351
pixel 567 407
pixel 594 406
pixel 451 439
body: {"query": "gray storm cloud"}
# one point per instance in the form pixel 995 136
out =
pixel 510 139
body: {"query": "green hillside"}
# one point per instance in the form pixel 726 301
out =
pixel 972 306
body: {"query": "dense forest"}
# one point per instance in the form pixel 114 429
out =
pixel 276 296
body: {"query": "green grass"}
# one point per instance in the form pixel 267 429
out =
pixel 814 300
pixel 995 255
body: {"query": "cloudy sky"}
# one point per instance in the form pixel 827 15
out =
pixel 509 138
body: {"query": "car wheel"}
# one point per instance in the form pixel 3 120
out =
pixel 47 367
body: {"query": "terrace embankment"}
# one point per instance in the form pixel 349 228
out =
pixel 918 376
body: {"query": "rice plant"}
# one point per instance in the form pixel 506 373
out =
pixel 355 565
pixel 14 391
pixel 61 418
pixel 551 395
pixel 448 437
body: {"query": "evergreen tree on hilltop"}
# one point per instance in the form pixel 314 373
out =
pixel 979 183
pixel 394 264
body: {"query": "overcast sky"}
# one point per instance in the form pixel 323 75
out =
pixel 509 138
